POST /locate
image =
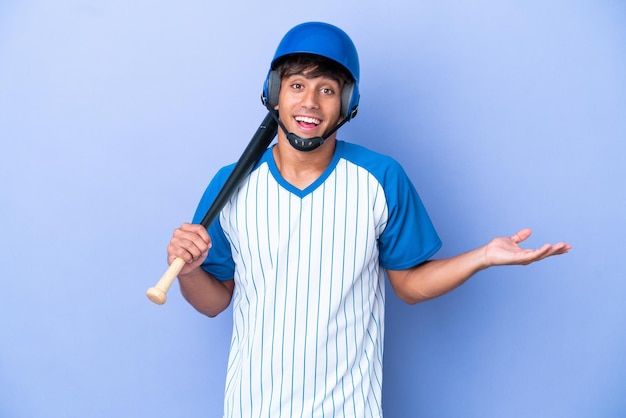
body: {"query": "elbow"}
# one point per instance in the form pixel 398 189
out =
pixel 212 311
pixel 409 294
pixel 215 313
pixel 412 286
pixel 412 299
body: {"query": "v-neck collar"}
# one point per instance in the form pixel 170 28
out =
pixel 271 162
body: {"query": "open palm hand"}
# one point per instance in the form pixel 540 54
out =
pixel 507 251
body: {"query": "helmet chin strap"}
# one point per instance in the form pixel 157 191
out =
pixel 305 144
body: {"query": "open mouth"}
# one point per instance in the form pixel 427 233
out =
pixel 307 122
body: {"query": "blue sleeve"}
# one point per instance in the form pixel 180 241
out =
pixel 409 237
pixel 219 262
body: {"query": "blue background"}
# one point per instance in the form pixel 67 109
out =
pixel 114 115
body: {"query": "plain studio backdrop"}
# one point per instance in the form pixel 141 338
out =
pixel 114 115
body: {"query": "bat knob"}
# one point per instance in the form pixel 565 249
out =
pixel 156 295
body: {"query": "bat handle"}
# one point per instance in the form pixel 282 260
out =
pixel 158 293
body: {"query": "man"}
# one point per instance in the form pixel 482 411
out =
pixel 301 248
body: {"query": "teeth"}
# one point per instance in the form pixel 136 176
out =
pixel 307 119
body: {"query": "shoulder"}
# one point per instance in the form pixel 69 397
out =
pixel 223 173
pixel 217 184
pixel 383 167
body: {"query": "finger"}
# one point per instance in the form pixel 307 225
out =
pixel 196 249
pixel 521 235
pixel 196 229
pixel 531 256
pixel 549 250
pixel 189 247
pixel 178 251
pixel 190 242
pixel 198 236
pixel 560 248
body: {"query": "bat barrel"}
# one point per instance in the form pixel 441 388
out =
pixel 257 145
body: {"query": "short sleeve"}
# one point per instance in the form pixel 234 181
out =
pixel 409 237
pixel 219 262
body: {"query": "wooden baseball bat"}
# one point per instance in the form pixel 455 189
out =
pixel 257 146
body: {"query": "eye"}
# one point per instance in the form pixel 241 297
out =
pixel 327 91
pixel 296 86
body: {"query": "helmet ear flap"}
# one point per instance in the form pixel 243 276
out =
pixel 349 101
pixel 271 90
pixel 346 96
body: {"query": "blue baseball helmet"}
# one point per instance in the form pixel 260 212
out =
pixel 324 40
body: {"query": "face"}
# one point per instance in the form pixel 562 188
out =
pixel 309 107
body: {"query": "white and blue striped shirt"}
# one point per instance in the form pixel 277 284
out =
pixel 308 307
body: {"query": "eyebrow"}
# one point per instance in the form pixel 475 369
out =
pixel 309 75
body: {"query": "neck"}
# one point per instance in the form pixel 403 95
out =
pixel 302 168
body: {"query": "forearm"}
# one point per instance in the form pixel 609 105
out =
pixel 437 277
pixel 205 293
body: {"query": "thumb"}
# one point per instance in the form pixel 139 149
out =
pixel 521 235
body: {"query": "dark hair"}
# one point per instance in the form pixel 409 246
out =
pixel 314 66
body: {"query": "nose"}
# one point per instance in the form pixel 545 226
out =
pixel 310 99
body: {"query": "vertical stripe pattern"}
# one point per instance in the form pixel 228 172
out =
pixel 308 307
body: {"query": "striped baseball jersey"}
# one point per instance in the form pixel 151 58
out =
pixel 308 305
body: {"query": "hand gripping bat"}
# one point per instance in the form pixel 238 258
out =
pixel 257 146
